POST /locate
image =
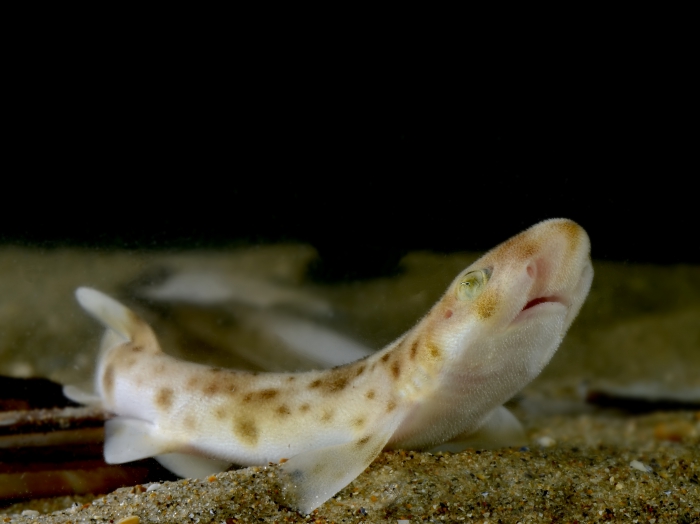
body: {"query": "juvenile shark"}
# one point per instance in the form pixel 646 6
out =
pixel 441 385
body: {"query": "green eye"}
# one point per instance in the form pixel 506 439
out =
pixel 473 284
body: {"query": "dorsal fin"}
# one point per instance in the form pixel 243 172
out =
pixel 118 320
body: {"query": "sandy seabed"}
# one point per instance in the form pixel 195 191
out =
pixel 599 467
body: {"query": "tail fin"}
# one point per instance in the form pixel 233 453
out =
pixel 123 325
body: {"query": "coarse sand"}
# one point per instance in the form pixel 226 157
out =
pixel 601 467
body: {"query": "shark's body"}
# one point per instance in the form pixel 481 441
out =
pixel 441 384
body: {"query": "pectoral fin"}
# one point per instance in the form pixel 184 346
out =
pixel 500 429
pixel 309 479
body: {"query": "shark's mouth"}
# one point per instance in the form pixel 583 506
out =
pixel 541 300
pixel 527 310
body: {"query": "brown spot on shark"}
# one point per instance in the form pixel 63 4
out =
pixel 487 304
pixel 414 349
pixel 164 398
pixel 267 394
pixel 212 388
pixel 396 369
pixel 363 441
pixel 193 382
pixel 336 384
pixel 337 380
pixel 246 430
pixel 262 395
pixel 189 422
pixel 434 352
pixel 108 380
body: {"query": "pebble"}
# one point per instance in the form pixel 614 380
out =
pixel 546 442
pixel 131 519
pixel 635 464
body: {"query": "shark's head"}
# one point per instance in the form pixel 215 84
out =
pixel 515 303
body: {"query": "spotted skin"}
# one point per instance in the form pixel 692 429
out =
pixel 442 381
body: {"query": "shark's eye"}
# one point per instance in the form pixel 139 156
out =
pixel 472 284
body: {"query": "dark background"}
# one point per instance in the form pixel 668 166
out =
pixel 364 156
